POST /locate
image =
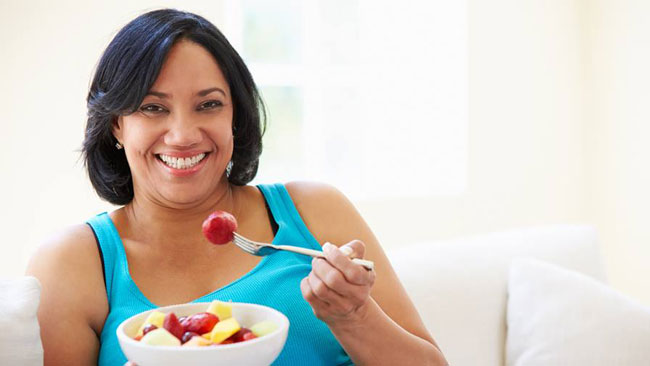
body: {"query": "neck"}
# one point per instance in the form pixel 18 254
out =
pixel 164 225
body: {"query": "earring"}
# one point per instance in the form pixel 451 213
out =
pixel 118 146
pixel 228 169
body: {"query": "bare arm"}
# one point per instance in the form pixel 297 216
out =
pixel 73 304
pixel 368 312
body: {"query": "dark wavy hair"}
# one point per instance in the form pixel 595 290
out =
pixel 125 73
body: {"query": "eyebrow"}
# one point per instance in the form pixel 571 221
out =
pixel 201 93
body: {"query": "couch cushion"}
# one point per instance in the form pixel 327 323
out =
pixel 459 286
pixel 20 341
pixel 561 317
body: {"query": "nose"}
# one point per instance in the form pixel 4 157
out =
pixel 182 132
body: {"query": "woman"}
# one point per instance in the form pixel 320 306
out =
pixel 173 134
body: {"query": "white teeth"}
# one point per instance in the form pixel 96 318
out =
pixel 181 163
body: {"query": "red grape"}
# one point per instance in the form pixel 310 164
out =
pixel 188 335
pixel 148 328
pixel 243 334
pixel 219 227
pixel 200 323
pixel 248 336
pixel 172 324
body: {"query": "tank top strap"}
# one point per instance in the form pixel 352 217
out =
pixel 110 247
pixel 288 218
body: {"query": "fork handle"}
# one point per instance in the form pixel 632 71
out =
pixel 369 265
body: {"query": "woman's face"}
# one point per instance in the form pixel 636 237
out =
pixel 180 140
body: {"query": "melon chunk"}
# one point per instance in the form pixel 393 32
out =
pixel 160 337
pixel 197 341
pixel 263 328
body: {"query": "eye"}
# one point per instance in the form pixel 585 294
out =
pixel 152 108
pixel 211 104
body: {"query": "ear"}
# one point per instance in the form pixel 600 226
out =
pixel 117 128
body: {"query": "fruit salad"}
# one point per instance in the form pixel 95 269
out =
pixel 219 227
pixel 215 326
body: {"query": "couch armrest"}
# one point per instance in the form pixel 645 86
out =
pixel 20 340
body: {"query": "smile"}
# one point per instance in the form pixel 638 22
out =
pixel 181 163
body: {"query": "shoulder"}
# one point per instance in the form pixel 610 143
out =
pixel 72 245
pixel 326 211
pixel 68 265
pixel 314 194
pixel 314 199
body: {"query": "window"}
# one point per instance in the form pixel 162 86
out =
pixel 370 96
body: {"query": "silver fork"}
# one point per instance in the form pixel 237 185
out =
pixel 262 249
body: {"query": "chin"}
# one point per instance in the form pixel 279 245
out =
pixel 182 198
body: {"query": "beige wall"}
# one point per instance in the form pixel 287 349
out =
pixel 559 131
pixel 617 128
pixel 527 156
pixel 557 125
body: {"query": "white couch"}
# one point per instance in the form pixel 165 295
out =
pixel 460 288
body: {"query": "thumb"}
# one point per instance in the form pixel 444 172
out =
pixel 353 249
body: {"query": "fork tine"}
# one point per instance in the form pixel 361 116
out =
pixel 245 245
pixel 245 248
pixel 245 241
pixel 241 241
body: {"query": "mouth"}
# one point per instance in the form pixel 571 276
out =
pixel 179 163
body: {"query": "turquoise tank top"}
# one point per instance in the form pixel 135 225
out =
pixel 274 282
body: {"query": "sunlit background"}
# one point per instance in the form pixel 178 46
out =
pixel 437 118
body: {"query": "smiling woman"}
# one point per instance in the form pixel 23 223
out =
pixel 173 134
pixel 118 92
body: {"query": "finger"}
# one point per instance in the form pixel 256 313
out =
pixel 348 294
pixel 354 249
pixel 317 305
pixel 308 292
pixel 320 289
pixel 335 301
pixel 352 272
pixel 336 281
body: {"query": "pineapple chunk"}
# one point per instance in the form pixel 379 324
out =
pixel 223 330
pixel 222 310
pixel 156 318
pixel 160 337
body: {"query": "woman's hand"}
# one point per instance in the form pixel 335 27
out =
pixel 338 289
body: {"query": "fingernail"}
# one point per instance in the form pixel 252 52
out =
pixel 327 247
pixel 346 250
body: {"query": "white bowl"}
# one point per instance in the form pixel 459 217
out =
pixel 259 351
